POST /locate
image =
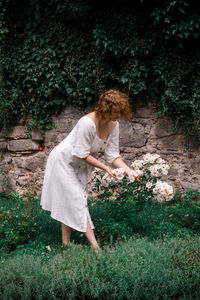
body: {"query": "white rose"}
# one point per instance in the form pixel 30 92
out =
pixel 136 173
pixel 160 161
pixel 149 185
pixel 155 170
pixel 137 164
pixel 119 172
pixel 163 191
pixel 165 172
pixel 131 178
pixel 155 156
pixel 147 157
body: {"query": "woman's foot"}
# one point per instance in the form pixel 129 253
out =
pixel 66 233
pixel 66 245
pixel 97 249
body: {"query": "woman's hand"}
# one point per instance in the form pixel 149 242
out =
pixel 109 171
pixel 96 163
pixel 119 163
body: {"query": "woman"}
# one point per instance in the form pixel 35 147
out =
pixel 69 163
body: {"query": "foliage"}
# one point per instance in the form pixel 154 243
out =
pixel 58 52
pixel 135 269
pixel 126 208
pixel 24 220
pixel 18 220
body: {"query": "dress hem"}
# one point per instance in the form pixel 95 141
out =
pixel 55 218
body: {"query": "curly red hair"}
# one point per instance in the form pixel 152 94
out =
pixel 113 104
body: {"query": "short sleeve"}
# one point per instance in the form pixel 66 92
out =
pixel 84 136
pixel 112 148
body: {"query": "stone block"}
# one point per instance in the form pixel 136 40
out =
pixel 18 132
pixel 193 146
pixel 163 128
pixel 22 145
pixel 174 142
pixel 20 171
pixel 3 146
pixel 132 134
pixel 74 112
pixel 145 112
pixel 195 166
pixel 190 185
pixel 22 181
pixel 8 160
pixel 151 144
pixel 36 135
pixel 149 123
pixel 31 163
pixel 197 158
pixel 54 136
pixel 64 125
pixel 173 172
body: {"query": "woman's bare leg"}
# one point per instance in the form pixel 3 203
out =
pixel 66 233
pixel 90 236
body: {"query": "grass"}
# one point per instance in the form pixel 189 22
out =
pixel 157 258
pixel 134 269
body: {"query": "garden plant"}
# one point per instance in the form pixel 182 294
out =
pixel 149 234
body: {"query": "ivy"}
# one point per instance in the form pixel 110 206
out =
pixel 57 52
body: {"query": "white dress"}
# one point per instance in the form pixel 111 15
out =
pixel 64 190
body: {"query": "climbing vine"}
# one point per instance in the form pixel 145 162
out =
pixel 57 52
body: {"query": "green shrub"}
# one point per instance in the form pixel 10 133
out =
pixel 155 220
pixel 24 220
pixel 134 210
pixel 134 269
pixel 17 220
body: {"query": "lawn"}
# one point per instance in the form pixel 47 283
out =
pixel 152 252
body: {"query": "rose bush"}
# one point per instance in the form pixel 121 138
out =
pixel 143 178
pixel 142 203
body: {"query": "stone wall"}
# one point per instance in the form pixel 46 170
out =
pixel 25 160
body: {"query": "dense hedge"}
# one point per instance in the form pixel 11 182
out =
pixel 58 52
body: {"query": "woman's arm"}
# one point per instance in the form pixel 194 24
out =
pixel 119 163
pixel 112 154
pixel 91 160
